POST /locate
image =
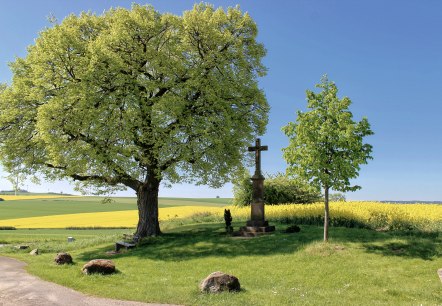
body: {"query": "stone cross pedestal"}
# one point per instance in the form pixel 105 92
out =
pixel 257 223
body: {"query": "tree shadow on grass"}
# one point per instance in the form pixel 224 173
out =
pixel 205 240
pixel 420 245
pixel 210 240
pixel 411 244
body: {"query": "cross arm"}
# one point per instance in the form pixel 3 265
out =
pixel 260 148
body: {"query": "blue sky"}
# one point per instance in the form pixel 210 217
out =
pixel 385 55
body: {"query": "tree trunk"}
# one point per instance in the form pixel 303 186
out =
pixel 326 214
pixel 147 201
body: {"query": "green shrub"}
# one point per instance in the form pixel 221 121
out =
pixel 293 229
pixel 205 216
pixel 334 197
pixel 7 228
pixel 242 190
pixel 278 189
pixel 378 220
pixel 401 225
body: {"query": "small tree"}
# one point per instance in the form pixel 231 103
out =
pixel 326 145
pixel 16 177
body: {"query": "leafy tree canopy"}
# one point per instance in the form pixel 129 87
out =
pixel 135 97
pixel 325 144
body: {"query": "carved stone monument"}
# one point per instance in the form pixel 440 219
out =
pixel 257 223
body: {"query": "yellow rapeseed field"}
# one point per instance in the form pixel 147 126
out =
pixel 362 211
pixel 127 218
pixel 367 214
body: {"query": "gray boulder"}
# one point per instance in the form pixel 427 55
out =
pixel 101 266
pixel 219 282
pixel 63 258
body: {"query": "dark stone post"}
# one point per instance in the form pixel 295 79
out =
pixel 257 205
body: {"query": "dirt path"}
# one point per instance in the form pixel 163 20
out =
pixel 18 288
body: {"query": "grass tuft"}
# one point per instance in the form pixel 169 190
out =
pixel 322 248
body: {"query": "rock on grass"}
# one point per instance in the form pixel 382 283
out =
pixel 219 282
pixel 101 266
pixel 63 258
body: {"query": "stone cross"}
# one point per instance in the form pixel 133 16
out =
pixel 257 149
pixel 257 223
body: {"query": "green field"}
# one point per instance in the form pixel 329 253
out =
pixel 357 267
pixel 59 206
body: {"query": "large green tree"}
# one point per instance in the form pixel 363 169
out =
pixel 326 146
pixel 134 98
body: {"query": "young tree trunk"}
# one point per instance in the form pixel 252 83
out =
pixel 16 185
pixel 326 214
pixel 147 201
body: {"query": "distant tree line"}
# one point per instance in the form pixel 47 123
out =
pixel 13 191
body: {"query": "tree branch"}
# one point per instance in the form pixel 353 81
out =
pixel 112 181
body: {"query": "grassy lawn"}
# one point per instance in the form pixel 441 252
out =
pixel 357 267
pixel 59 206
